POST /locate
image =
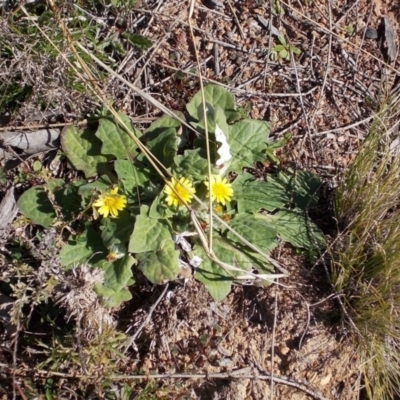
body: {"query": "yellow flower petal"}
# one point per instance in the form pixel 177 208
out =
pixel 220 189
pixel 110 203
pixel 179 192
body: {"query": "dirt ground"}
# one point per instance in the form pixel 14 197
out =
pixel 285 341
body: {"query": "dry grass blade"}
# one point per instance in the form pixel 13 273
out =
pixel 367 259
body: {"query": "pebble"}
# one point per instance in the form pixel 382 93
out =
pixel 371 33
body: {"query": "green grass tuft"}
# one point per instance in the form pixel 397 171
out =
pixel 366 258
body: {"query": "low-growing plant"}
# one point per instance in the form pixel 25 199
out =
pixel 277 8
pixel 366 266
pixel 28 59
pixel 282 50
pixel 131 219
pixel 350 29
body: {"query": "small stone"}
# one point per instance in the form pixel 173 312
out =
pixel 371 33
pixel 214 4
pixel 326 379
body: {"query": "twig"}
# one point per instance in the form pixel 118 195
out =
pixel 269 45
pixel 23 397
pixel 239 89
pixel 277 134
pixel 242 373
pixel 147 320
pixel 303 386
pixel 325 30
pixel 364 33
pixel 217 70
pixel 212 11
pixel 236 20
pixel 271 387
pixel 307 323
pixel 208 245
pixel 302 103
pixel 344 127
pixel 42 126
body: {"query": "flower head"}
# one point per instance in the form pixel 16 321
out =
pixel 110 203
pixel 116 251
pixel 182 193
pixel 220 189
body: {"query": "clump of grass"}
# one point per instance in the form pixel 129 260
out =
pixel 38 67
pixel 366 259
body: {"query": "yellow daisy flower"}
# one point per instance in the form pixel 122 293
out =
pixel 110 203
pixel 182 194
pixel 220 189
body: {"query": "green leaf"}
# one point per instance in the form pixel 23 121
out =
pixel 282 40
pixel 278 48
pixel 110 297
pixel 253 195
pixel 214 95
pixel 218 130
pixel 119 274
pixel 37 166
pixel 215 279
pixel 284 54
pixel 302 187
pixel 148 234
pixel 295 50
pixel 82 148
pixel 192 163
pixel 35 205
pixel 100 185
pixel 215 116
pixel 117 230
pixel 164 146
pixel 256 231
pixel 133 175
pixel 163 123
pixel 296 228
pixel 160 266
pixel 83 248
pixel 115 140
pixel 55 184
pixel 247 140
pixel 159 209
pixel 68 199
pixel 138 41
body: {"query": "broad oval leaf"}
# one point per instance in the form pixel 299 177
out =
pixel 295 227
pixel 253 195
pixel 83 150
pixel 83 248
pixel 115 140
pixel 256 231
pixel 36 206
pixel 112 298
pixel 148 234
pixel 192 163
pixel 214 95
pixel 216 280
pixel 247 139
pixel 119 274
pixel 160 266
